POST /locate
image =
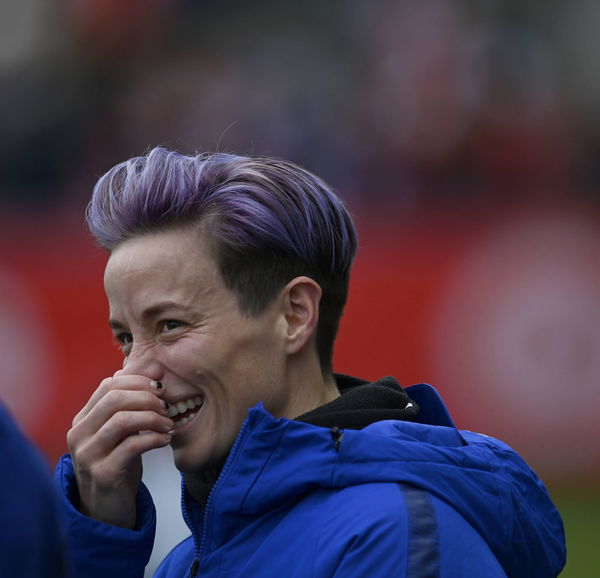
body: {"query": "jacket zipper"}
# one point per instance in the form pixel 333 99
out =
pixel 199 546
pixel 224 471
pixel 194 567
pixel 196 563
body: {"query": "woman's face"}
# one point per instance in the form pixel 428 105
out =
pixel 179 324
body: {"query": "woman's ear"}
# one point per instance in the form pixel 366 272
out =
pixel 301 298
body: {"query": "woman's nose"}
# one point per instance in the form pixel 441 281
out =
pixel 142 361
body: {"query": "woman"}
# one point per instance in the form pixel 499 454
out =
pixel 226 281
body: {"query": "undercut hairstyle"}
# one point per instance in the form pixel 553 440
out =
pixel 267 220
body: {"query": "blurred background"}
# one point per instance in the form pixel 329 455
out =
pixel 464 136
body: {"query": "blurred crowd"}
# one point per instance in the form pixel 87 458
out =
pixel 406 102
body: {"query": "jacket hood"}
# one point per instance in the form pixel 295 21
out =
pixel 480 477
pixel 362 403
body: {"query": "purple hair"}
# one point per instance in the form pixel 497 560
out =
pixel 269 220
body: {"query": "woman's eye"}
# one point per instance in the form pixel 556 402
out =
pixel 170 324
pixel 124 341
pixel 125 338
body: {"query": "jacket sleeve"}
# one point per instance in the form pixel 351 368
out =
pixel 100 550
pixel 362 531
pixel 400 531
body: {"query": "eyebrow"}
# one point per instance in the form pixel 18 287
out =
pixel 150 313
pixel 115 325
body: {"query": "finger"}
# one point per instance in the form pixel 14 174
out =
pixel 115 401
pixel 117 429
pixel 117 463
pixel 127 423
pixel 122 382
pixel 114 467
pixel 137 445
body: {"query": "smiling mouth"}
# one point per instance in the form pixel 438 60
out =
pixel 183 411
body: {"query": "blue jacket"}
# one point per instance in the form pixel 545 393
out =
pixel 32 542
pixel 395 499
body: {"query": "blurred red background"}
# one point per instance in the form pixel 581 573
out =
pixel 496 307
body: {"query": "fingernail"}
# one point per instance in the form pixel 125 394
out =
pixel 167 406
pixel 156 384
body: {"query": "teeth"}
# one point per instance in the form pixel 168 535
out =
pixel 184 420
pixel 183 406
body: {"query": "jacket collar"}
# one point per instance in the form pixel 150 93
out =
pixel 274 461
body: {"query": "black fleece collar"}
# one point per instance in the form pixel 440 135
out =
pixel 362 403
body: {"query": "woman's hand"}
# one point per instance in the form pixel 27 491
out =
pixel 124 418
